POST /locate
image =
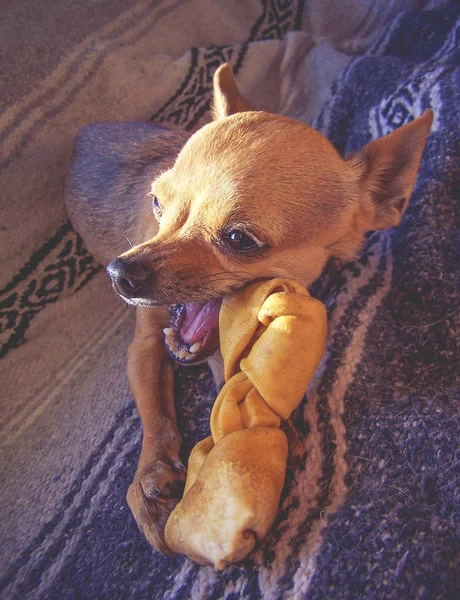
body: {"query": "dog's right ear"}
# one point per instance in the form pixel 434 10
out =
pixel 227 98
pixel 388 169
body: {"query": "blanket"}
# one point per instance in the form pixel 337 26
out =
pixel 372 510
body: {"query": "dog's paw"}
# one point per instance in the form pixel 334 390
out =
pixel 153 494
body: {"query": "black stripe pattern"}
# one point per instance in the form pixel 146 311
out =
pixel 62 265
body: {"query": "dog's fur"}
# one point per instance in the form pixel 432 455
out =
pixel 273 178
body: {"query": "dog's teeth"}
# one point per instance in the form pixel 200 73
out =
pixel 168 331
pixel 196 347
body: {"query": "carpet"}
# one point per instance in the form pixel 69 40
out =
pixel 373 510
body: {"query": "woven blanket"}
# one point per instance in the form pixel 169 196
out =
pixel 372 511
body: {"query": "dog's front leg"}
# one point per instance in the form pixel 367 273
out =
pixel 160 475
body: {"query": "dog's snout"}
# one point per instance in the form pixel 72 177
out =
pixel 129 278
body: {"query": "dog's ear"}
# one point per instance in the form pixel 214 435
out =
pixel 388 169
pixel 227 98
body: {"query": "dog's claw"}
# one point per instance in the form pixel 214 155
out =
pixel 162 481
pixel 179 467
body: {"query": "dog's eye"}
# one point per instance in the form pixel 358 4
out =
pixel 156 207
pixel 240 240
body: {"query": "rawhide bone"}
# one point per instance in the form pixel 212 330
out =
pixel 272 338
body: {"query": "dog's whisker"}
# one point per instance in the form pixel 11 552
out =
pixel 128 240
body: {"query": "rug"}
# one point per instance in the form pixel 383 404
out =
pixel 373 510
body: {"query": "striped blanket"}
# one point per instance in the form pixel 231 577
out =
pixel 373 509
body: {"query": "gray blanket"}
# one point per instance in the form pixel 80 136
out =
pixel 373 510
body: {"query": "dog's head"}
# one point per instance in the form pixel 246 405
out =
pixel 254 195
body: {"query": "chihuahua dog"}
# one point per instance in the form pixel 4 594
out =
pixel 249 196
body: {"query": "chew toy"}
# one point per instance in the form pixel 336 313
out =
pixel 272 337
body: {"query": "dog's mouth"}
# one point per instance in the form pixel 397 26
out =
pixel 193 335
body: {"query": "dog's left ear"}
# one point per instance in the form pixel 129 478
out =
pixel 227 98
pixel 389 168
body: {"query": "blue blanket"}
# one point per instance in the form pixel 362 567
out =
pixel 372 512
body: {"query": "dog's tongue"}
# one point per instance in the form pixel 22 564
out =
pixel 199 320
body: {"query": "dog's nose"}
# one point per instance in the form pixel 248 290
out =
pixel 128 278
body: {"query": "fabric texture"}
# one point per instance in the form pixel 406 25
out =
pixel 373 510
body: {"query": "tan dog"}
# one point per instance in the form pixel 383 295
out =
pixel 250 196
